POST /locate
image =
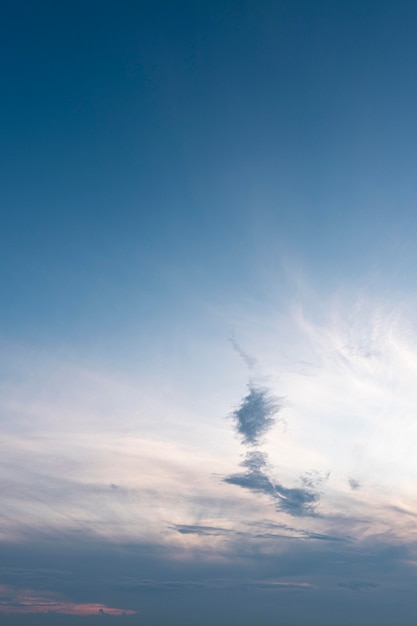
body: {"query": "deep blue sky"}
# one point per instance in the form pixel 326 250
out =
pixel 150 149
pixel 173 172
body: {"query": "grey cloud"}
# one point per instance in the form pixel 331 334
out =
pixel 292 533
pixel 255 415
pixel 323 537
pixel 302 535
pixel 255 461
pixel 255 478
pixel 191 529
pixel 354 484
pixel 254 481
pixel 295 501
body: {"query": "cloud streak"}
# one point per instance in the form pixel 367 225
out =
pixel 286 532
pixel 249 361
pixel 137 585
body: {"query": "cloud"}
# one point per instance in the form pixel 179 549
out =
pixel 195 529
pixel 27 601
pixel 358 585
pixel 313 480
pixel 297 501
pixel 255 415
pixel 250 361
pixel 254 478
pixel 280 585
pixel 148 585
pixel 135 585
pixel 354 484
pixel 289 532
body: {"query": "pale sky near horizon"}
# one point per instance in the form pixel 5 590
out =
pixel 208 338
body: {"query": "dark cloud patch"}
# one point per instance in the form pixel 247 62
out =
pixel 268 525
pixel 213 531
pixel 354 484
pixel 358 585
pixel 323 537
pixel 254 478
pixel 295 501
pixel 255 415
pixel 255 461
pixel 255 481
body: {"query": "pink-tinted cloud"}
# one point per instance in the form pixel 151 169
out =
pixel 27 601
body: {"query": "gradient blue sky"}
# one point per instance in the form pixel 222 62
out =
pixel 207 318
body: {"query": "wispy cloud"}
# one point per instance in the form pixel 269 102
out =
pixel 249 360
pixel 269 531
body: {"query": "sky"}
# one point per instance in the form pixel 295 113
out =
pixel 208 338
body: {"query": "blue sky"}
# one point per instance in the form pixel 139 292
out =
pixel 207 323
